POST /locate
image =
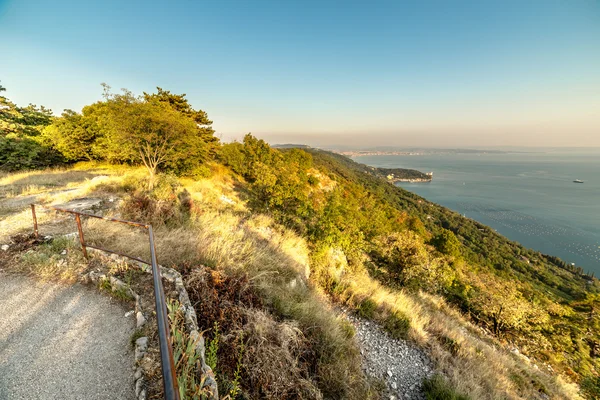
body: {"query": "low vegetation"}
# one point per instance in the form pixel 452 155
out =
pixel 268 240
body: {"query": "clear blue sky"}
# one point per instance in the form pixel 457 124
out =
pixel 465 73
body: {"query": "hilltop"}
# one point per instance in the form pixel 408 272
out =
pixel 272 243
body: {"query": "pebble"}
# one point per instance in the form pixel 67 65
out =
pixel 402 365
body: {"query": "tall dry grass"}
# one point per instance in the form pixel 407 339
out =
pixel 222 234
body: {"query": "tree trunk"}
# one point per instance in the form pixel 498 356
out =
pixel 152 172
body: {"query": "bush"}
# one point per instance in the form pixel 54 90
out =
pixel 397 324
pixel 590 386
pixel 437 388
pixel 25 153
pixel 166 205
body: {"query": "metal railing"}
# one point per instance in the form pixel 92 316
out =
pixel 166 352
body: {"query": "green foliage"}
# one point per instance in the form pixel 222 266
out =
pixel 188 363
pixel 160 131
pixel 213 348
pixel 26 153
pixel 437 388
pixel 21 146
pixel 411 263
pixel 447 243
pixel 590 386
pixel 397 324
pixel 72 135
pixel 22 121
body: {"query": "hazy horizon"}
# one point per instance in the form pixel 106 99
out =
pixel 434 73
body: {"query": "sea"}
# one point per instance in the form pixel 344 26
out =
pixel 528 197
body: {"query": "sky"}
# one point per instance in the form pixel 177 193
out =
pixel 421 73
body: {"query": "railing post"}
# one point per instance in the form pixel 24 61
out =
pixel 81 239
pixel 164 335
pixel 35 226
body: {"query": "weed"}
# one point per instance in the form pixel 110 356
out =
pixel 397 324
pixel 187 360
pixel 213 348
pixel 437 388
pixel 237 375
pixel 367 308
pixel 138 333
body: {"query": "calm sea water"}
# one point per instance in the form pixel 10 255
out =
pixel 529 198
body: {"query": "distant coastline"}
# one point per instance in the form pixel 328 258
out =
pixel 416 152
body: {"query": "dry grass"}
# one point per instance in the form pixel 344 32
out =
pixel 276 263
pixel 59 260
pixel 223 235
pixel 475 364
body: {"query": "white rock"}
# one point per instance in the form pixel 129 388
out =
pixel 129 314
pixel 140 319
pixel 5 247
pixel 389 373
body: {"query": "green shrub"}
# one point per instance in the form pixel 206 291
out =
pixel 397 324
pixel 26 153
pixel 437 388
pixel 367 309
pixel 590 386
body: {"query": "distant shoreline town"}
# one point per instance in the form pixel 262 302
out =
pixel 419 152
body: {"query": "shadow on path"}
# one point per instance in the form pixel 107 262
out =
pixel 62 342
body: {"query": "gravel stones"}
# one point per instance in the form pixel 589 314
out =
pixel 401 365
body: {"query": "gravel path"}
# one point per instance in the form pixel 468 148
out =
pixel 62 342
pixel 401 365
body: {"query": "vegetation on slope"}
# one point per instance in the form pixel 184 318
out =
pixel 261 218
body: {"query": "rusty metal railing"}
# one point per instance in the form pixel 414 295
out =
pixel 166 351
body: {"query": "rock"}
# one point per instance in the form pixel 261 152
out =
pixel 138 373
pixel 5 247
pixel 139 386
pixel 64 252
pixel 226 199
pixel 400 364
pixel 141 346
pixel 140 319
pixel 129 313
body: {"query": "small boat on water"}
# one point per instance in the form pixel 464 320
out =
pixel 578 181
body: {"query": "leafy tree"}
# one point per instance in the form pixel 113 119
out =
pixel 71 135
pixel 22 121
pixel 153 134
pixel 447 243
pixel 407 258
pixel 179 103
pixel 25 153
pixel 20 144
pixel 501 303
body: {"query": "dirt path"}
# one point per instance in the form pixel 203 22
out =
pixel 401 365
pixel 62 342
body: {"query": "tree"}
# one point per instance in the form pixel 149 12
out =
pixel 179 103
pixel 22 121
pixel 70 135
pixel 447 243
pixel 503 304
pixel 407 258
pixel 153 134
pixel 20 144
